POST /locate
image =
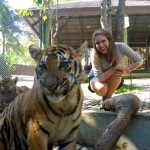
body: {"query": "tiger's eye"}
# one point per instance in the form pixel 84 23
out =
pixel 63 65
pixel 42 65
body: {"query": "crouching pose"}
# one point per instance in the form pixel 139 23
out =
pixel 107 63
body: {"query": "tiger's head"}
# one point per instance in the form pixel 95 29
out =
pixel 58 67
pixel 8 89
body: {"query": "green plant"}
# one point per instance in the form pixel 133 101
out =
pixel 127 88
pixel 6 68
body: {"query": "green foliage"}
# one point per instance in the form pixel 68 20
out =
pixel 42 6
pixel 6 68
pixel 9 27
pixel 11 58
pixel 25 12
pixel 126 88
pixel 16 34
pixel 25 59
pixel 39 1
pixel 44 18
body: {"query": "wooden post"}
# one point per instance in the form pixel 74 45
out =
pixel 120 20
pixel 46 34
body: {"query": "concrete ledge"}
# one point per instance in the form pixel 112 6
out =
pixel 135 137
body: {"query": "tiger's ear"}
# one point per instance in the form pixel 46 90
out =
pixel 15 80
pixel 35 52
pixel 81 50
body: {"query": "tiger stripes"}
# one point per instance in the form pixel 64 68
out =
pixel 8 91
pixel 49 113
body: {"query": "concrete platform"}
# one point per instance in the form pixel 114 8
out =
pixel 95 122
pixel 135 137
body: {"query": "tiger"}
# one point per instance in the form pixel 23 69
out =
pixel 47 115
pixel 8 91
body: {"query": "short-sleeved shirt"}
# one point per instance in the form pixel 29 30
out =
pixel 122 50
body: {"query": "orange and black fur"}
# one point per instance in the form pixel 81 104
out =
pixel 50 112
pixel 8 91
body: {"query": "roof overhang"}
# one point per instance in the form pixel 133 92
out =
pixel 78 20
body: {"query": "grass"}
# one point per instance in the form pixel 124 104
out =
pixel 126 88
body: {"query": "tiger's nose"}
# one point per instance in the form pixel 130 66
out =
pixel 51 87
pixel 51 81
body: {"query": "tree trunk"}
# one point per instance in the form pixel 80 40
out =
pixel 103 19
pixel 109 15
pixel 54 30
pixel 125 105
pixel 120 20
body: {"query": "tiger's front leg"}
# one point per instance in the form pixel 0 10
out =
pixel 70 142
pixel 37 139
